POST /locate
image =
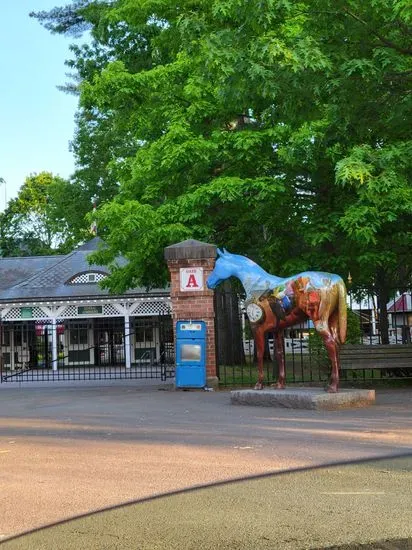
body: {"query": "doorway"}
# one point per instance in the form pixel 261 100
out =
pixel 109 345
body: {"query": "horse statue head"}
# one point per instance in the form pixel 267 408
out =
pixel 222 271
pixel 233 265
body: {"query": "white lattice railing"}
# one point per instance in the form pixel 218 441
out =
pixel 151 308
pixel 139 308
pixel 15 314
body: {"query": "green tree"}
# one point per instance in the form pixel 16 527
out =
pixel 43 219
pixel 278 129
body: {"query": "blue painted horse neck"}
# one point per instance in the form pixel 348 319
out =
pixel 253 278
pixel 256 280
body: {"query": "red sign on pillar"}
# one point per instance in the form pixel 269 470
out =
pixel 191 279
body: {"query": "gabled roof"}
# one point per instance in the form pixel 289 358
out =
pixel 92 245
pixel 16 270
pixel 35 278
pixel 401 304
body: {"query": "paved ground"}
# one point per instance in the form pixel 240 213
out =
pixel 69 450
pixel 367 506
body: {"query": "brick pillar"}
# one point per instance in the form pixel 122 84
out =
pixel 191 299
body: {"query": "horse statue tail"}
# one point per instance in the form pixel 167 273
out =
pixel 342 311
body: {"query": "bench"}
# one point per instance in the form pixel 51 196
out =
pixel 391 356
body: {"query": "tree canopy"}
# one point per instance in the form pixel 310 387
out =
pixel 277 129
pixel 43 219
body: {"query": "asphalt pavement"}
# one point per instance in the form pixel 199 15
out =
pixel 70 450
pixel 365 506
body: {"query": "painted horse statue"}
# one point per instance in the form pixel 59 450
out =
pixel 273 304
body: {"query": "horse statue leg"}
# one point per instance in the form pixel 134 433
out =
pixel 330 321
pixel 327 330
pixel 280 357
pixel 259 336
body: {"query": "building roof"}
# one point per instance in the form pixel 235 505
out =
pixel 401 304
pixel 190 249
pixel 16 270
pixel 35 278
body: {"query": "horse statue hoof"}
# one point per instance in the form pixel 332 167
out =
pixel 332 388
pixel 258 386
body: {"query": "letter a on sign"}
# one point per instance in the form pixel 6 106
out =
pixel 191 279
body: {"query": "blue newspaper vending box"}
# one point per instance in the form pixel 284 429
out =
pixel 190 354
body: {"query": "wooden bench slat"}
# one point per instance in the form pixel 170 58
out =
pixel 369 353
pixel 375 350
pixel 373 358
pixel 377 346
pixel 357 365
pixel 383 361
pixel 378 349
pixel 361 356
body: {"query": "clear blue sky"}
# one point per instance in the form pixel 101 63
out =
pixel 36 119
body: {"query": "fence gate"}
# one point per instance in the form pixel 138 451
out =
pixel 90 349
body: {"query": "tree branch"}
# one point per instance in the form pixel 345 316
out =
pixel 388 43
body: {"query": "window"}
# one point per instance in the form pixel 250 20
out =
pixel 118 338
pixel 86 278
pixel 79 334
pixel 144 333
pixel 6 336
pixel 20 335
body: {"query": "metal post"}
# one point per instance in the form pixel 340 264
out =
pixel 127 341
pixel 12 350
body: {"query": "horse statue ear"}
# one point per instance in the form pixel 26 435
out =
pixel 225 251
pixel 219 252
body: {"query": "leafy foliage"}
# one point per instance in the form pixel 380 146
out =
pixel 42 219
pixel 278 129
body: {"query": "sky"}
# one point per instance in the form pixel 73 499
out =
pixel 36 119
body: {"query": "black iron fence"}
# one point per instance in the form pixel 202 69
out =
pixel 369 325
pixel 108 348
pixel 87 349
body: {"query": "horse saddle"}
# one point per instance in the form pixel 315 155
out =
pixel 279 306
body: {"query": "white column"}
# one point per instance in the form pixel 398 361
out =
pixel 374 331
pixel 127 341
pixel 55 354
